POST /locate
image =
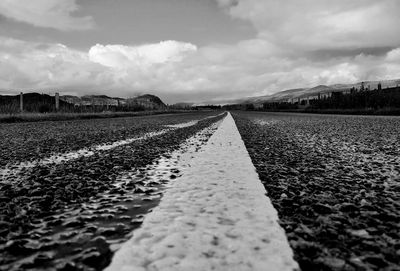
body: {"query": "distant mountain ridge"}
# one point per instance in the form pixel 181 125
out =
pixel 321 89
pixel 182 105
pixel 91 100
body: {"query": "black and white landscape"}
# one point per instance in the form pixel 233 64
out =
pixel 175 135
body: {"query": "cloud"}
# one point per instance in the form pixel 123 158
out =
pixel 393 55
pixel 227 3
pixel 297 45
pixel 322 24
pixel 30 65
pixel 179 71
pixel 108 69
pixel 120 56
pixel 317 42
pixel 46 13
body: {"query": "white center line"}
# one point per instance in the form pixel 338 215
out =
pixel 214 217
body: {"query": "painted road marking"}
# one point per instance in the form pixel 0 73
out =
pixel 214 217
pixel 12 170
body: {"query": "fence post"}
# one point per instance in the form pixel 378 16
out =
pixel 21 102
pixel 57 96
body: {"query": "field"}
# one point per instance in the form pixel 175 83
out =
pixel 36 117
pixel 73 192
pixel 335 183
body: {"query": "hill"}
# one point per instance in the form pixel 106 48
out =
pixel 147 101
pixel 313 92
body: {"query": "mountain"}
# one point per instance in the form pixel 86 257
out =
pixel 147 101
pixel 289 94
pixel 221 101
pixel 274 97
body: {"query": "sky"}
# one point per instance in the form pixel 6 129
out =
pixel 195 50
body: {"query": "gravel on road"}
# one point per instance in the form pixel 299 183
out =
pixel 335 181
pixel 21 142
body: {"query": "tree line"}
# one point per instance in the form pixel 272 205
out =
pixel 43 103
pixel 379 100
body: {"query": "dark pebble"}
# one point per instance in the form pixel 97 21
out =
pixel 348 208
pixel 18 247
pixel 73 223
pixel 322 208
pixel 377 260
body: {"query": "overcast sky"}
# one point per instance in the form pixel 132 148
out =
pixel 195 50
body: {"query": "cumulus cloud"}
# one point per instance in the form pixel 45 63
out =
pixel 299 44
pixel 120 56
pixel 30 65
pixel 46 13
pixel 108 69
pixel 317 42
pixel 178 71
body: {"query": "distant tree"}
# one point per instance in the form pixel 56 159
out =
pixel 250 107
